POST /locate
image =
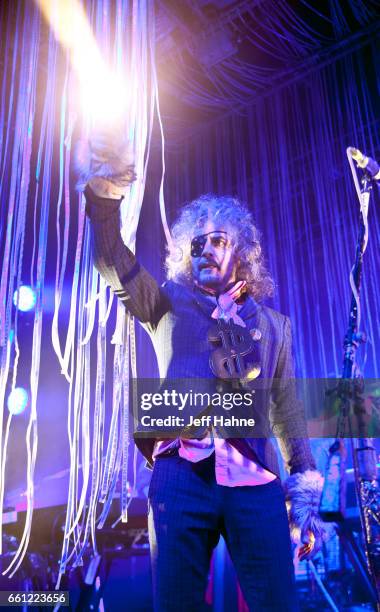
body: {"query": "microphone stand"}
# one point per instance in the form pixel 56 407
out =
pixel 350 392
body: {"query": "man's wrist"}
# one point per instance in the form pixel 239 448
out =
pixel 104 188
pixel 101 208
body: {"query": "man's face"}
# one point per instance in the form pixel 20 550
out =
pixel 214 262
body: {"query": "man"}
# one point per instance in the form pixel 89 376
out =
pixel 203 486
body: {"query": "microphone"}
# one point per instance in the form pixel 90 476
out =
pixel 366 163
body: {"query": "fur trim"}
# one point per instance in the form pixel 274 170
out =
pixel 303 493
pixel 103 156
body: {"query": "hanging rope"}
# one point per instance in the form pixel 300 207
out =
pixel 121 33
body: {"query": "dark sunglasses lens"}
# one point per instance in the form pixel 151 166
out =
pixel 197 246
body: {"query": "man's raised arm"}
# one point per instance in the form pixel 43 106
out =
pixel 136 288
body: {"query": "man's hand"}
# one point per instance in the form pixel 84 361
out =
pixel 303 492
pixel 308 546
pixel 106 163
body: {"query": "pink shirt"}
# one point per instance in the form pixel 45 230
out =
pixel 232 469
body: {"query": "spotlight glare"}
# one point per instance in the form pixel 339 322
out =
pixel 25 297
pixel 103 93
pixel 104 99
pixel 17 400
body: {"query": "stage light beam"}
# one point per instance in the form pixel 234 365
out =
pixel 103 93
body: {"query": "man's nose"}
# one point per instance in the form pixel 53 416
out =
pixel 208 248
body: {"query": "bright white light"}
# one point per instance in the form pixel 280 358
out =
pixel 17 400
pixel 25 298
pixel 103 94
pixel 104 98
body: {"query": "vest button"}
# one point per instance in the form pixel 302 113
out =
pixel 256 334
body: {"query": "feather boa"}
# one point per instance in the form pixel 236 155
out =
pixel 303 493
pixel 106 157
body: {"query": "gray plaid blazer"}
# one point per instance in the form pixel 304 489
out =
pixel 178 317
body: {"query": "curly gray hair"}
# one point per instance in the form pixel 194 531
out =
pixel 251 266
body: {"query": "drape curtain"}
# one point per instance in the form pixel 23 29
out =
pixel 285 156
